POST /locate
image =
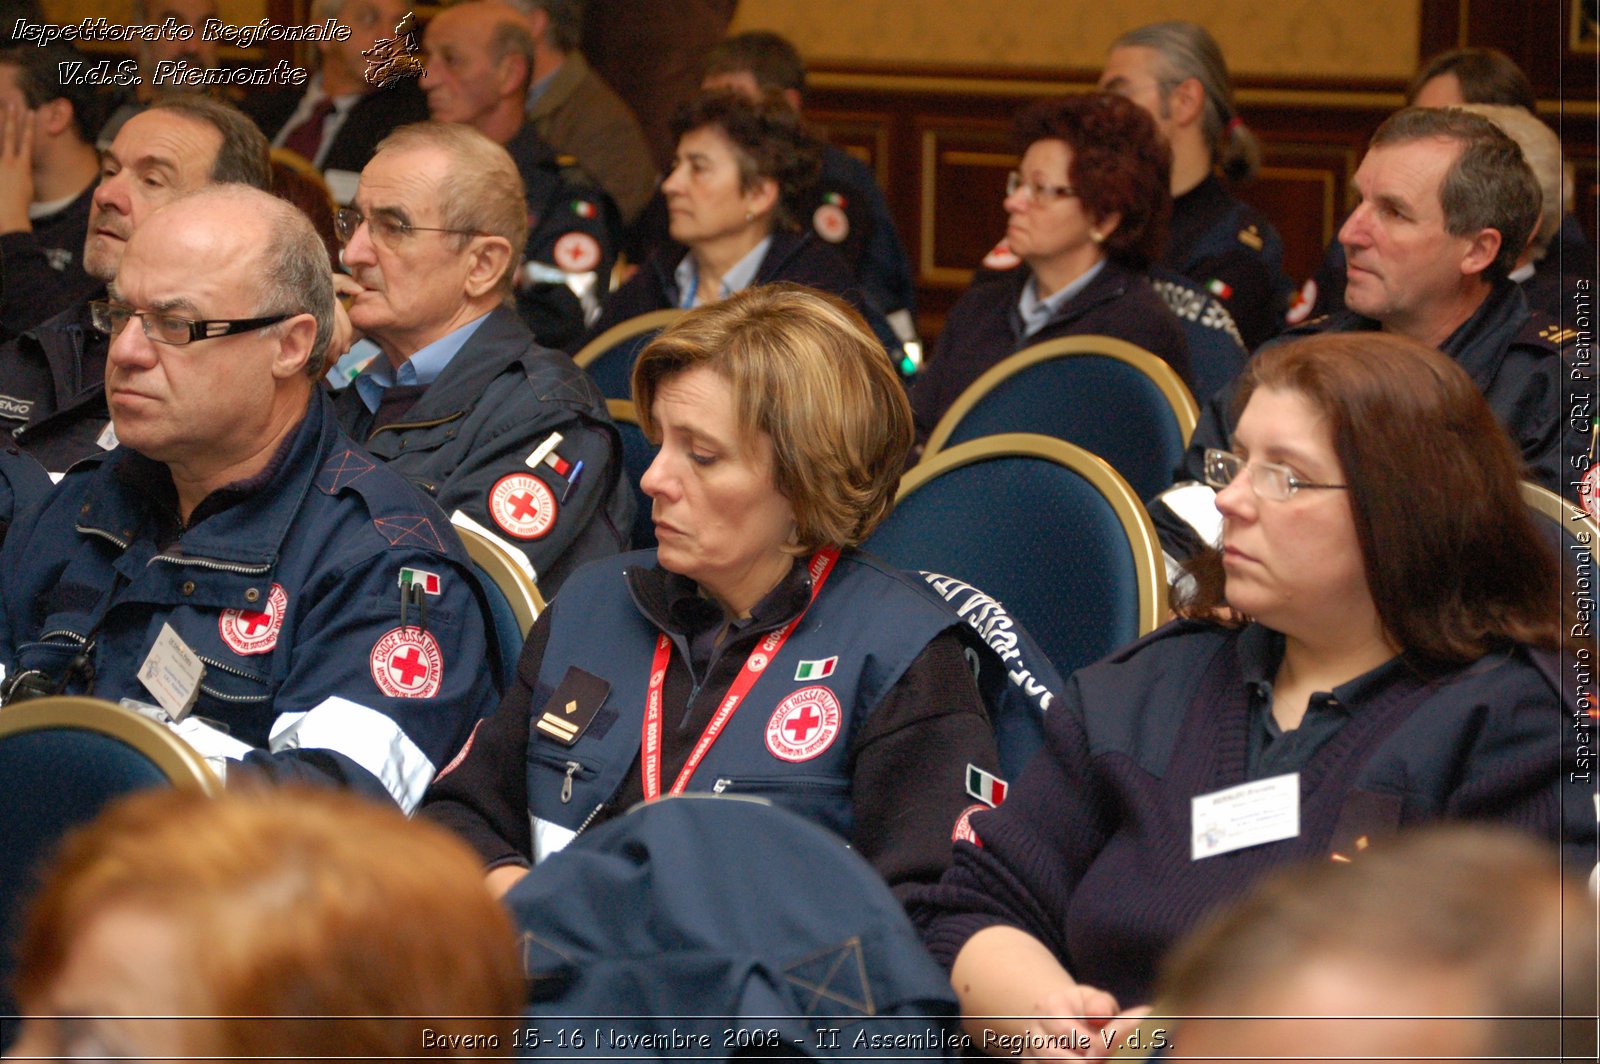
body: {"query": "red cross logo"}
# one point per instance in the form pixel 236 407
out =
pixel 408 666
pixel 522 505
pixel 407 663
pixel 802 724
pixel 251 631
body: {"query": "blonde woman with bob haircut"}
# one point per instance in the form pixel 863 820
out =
pixel 756 651
pixel 284 923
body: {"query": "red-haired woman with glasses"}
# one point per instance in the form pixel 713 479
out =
pixel 1087 211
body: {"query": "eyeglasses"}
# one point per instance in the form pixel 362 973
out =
pixel 1043 195
pixel 111 318
pixel 384 227
pixel 1267 479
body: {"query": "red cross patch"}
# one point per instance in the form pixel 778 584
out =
pixel 804 724
pixel 249 632
pixel 576 253
pixel 963 830
pixel 406 663
pixel 1589 492
pixel 831 223
pixel 1001 257
pixel 523 505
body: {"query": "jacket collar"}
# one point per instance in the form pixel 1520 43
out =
pixel 249 532
pixel 563 83
pixel 1109 284
pixel 499 342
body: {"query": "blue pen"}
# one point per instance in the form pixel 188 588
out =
pixel 572 481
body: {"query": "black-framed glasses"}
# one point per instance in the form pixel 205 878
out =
pixel 111 318
pixel 1268 480
pixel 385 227
pixel 1043 195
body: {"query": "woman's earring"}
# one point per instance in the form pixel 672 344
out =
pixel 1094 234
pixel 749 216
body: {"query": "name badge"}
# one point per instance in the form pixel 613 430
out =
pixel 1248 815
pixel 171 672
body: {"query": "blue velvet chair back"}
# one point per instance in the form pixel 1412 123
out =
pixel 637 454
pixel 609 357
pixel 1107 396
pixel 1046 528
pixel 61 761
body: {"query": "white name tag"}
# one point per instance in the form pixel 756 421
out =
pixel 1247 815
pixel 171 672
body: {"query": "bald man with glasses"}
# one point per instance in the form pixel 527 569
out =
pixel 237 568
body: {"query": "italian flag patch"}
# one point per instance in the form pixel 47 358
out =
pixel 816 670
pixel 420 578
pixel 986 787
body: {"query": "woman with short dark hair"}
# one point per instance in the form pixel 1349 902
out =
pixel 1088 209
pixel 738 185
pixel 1368 649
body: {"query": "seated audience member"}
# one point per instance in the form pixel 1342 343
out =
pixel 1088 207
pixel 337 119
pixel 1553 283
pixel 480 58
pixel 1175 71
pixel 735 198
pixel 172 45
pixel 237 561
pixel 578 114
pixel 849 209
pixel 1459 943
pixel 1447 205
pixel 1449 79
pixel 1371 648
pixel 459 398
pixel 288 923
pixel 48 167
pixel 756 650
pixel 52 398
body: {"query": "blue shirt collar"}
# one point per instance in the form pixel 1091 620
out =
pixel 737 279
pixel 422 368
pixel 1037 313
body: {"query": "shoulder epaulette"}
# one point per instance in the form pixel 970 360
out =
pixel 1541 330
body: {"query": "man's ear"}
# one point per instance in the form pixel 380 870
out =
pixel 490 259
pixel 1186 102
pixel 1482 248
pixel 298 336
pixel 55 116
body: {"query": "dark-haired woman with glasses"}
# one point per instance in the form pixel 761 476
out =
pixel 1370 647
pixel 1087 212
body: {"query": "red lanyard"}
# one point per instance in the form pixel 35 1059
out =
pixel 763 654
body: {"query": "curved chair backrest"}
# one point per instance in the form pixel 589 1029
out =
pixel 514 599
pixel 1111 398
pixel 1041 525
pixel 609 357
pixel 637 454
pixel 1572 531
pixel 61 760
pixel 1217 354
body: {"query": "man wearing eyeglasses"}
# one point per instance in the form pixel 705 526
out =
pixel 1447 205
pixel 238 568
pixel 457 396
pixel 51 398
